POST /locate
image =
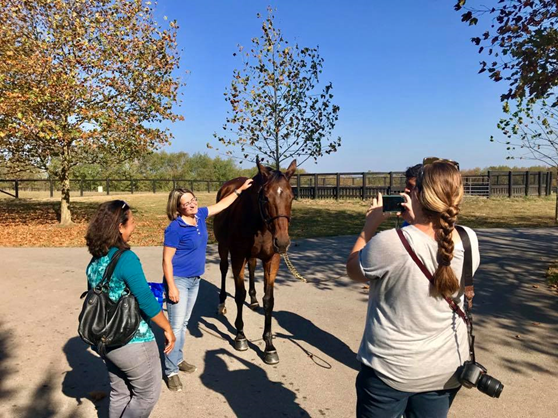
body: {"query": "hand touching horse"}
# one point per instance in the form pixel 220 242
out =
pixel 256 225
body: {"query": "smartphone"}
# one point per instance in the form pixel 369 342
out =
pixel 392 203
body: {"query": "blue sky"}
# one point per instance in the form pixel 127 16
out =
pixel 404 74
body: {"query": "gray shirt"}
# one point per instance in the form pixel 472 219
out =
pixel 414 341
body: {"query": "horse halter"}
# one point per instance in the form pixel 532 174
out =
pixel 262 204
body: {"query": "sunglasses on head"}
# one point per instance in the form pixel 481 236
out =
pixel 432 160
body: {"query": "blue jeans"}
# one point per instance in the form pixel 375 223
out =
pixel 375 399
pixel 179 314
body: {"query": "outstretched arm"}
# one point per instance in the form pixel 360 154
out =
pixel 225 202
pixel 374 217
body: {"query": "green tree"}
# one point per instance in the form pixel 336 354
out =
pixel 83 81
pixel 277 111
pixel 531 130
pixel 522 42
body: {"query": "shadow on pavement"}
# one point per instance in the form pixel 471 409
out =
pixel 515 296
pixel 248 390
pixel 88 376
pixel 300 328
pixel 6 367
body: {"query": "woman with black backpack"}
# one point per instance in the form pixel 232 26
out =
pixel 135 367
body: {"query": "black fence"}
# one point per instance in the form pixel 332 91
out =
pixel 84 187
pixel 305 186
pixel 367 185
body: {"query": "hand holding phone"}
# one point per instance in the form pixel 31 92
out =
pixel 392 203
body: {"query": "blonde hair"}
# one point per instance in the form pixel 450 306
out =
pixel 173 204
pixel 441 192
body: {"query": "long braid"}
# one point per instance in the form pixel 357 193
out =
pixel 445 281
pixel 441 192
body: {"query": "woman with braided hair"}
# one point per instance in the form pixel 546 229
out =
pixel 413 342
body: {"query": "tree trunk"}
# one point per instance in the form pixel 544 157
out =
pixel 65 214
pixel 556 207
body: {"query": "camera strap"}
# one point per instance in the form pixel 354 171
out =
pixel 467 277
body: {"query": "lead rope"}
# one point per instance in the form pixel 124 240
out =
pixel 292 268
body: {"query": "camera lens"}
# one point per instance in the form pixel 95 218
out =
pixel 490 386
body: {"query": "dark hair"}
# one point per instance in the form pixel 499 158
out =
pixel 103 231
pixel 413 172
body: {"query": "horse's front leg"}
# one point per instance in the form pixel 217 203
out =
pixel 270 271
pixel 252 290
pixel 238 263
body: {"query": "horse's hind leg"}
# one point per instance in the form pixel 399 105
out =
pixel 252 291
pixel 238 264
pixel 270 271
pixel 224 267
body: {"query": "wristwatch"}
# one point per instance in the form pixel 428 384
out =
pixel 237 192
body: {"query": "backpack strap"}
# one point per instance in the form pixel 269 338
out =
pixel 467 274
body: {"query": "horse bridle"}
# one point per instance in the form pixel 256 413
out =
pixel 262 202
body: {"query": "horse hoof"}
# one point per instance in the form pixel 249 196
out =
pixel 222 309
pixel 254 306
pixel 241 344
pixel 271 357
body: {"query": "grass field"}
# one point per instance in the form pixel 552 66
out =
pixel 33 222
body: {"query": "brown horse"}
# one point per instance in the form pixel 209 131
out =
pixel 255 226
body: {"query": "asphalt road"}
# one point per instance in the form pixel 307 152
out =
pixel 46 371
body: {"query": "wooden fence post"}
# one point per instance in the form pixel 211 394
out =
pixel 510 183
pixel 192 185
pixel 131 186
pixel 490 184
pixel 81 187
pixel 108 186
pixel 51 188
pixel 540 183
pixel 551 174
pixel 173 184
pixel 548 183
pixel 315 186
pixel 527 183
pixel 363 186
pixel 337 185
pixel 154 185
pixel 298 186
pixel 16 189
pixel 390 182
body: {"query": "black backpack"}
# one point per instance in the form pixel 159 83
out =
pixel 104 323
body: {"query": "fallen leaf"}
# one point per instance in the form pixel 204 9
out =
pixel 97 395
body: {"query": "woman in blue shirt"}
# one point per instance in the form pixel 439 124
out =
pixel 183 265
pixel 134 369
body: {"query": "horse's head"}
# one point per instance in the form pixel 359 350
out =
pixel 275 199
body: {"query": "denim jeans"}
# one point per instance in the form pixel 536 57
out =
pixel 375 399
pixel 179 314
pixel 135 379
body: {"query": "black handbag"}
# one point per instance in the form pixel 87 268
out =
pixel 104 323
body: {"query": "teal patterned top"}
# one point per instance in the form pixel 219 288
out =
pixel 128 271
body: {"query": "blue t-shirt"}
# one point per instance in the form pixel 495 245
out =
pixel 190 242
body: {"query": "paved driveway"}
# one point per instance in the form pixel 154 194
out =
pixel 45 369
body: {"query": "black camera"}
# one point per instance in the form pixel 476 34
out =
pixel 473 374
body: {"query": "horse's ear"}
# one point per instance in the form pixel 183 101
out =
pixel 290 171
pixel 262 170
